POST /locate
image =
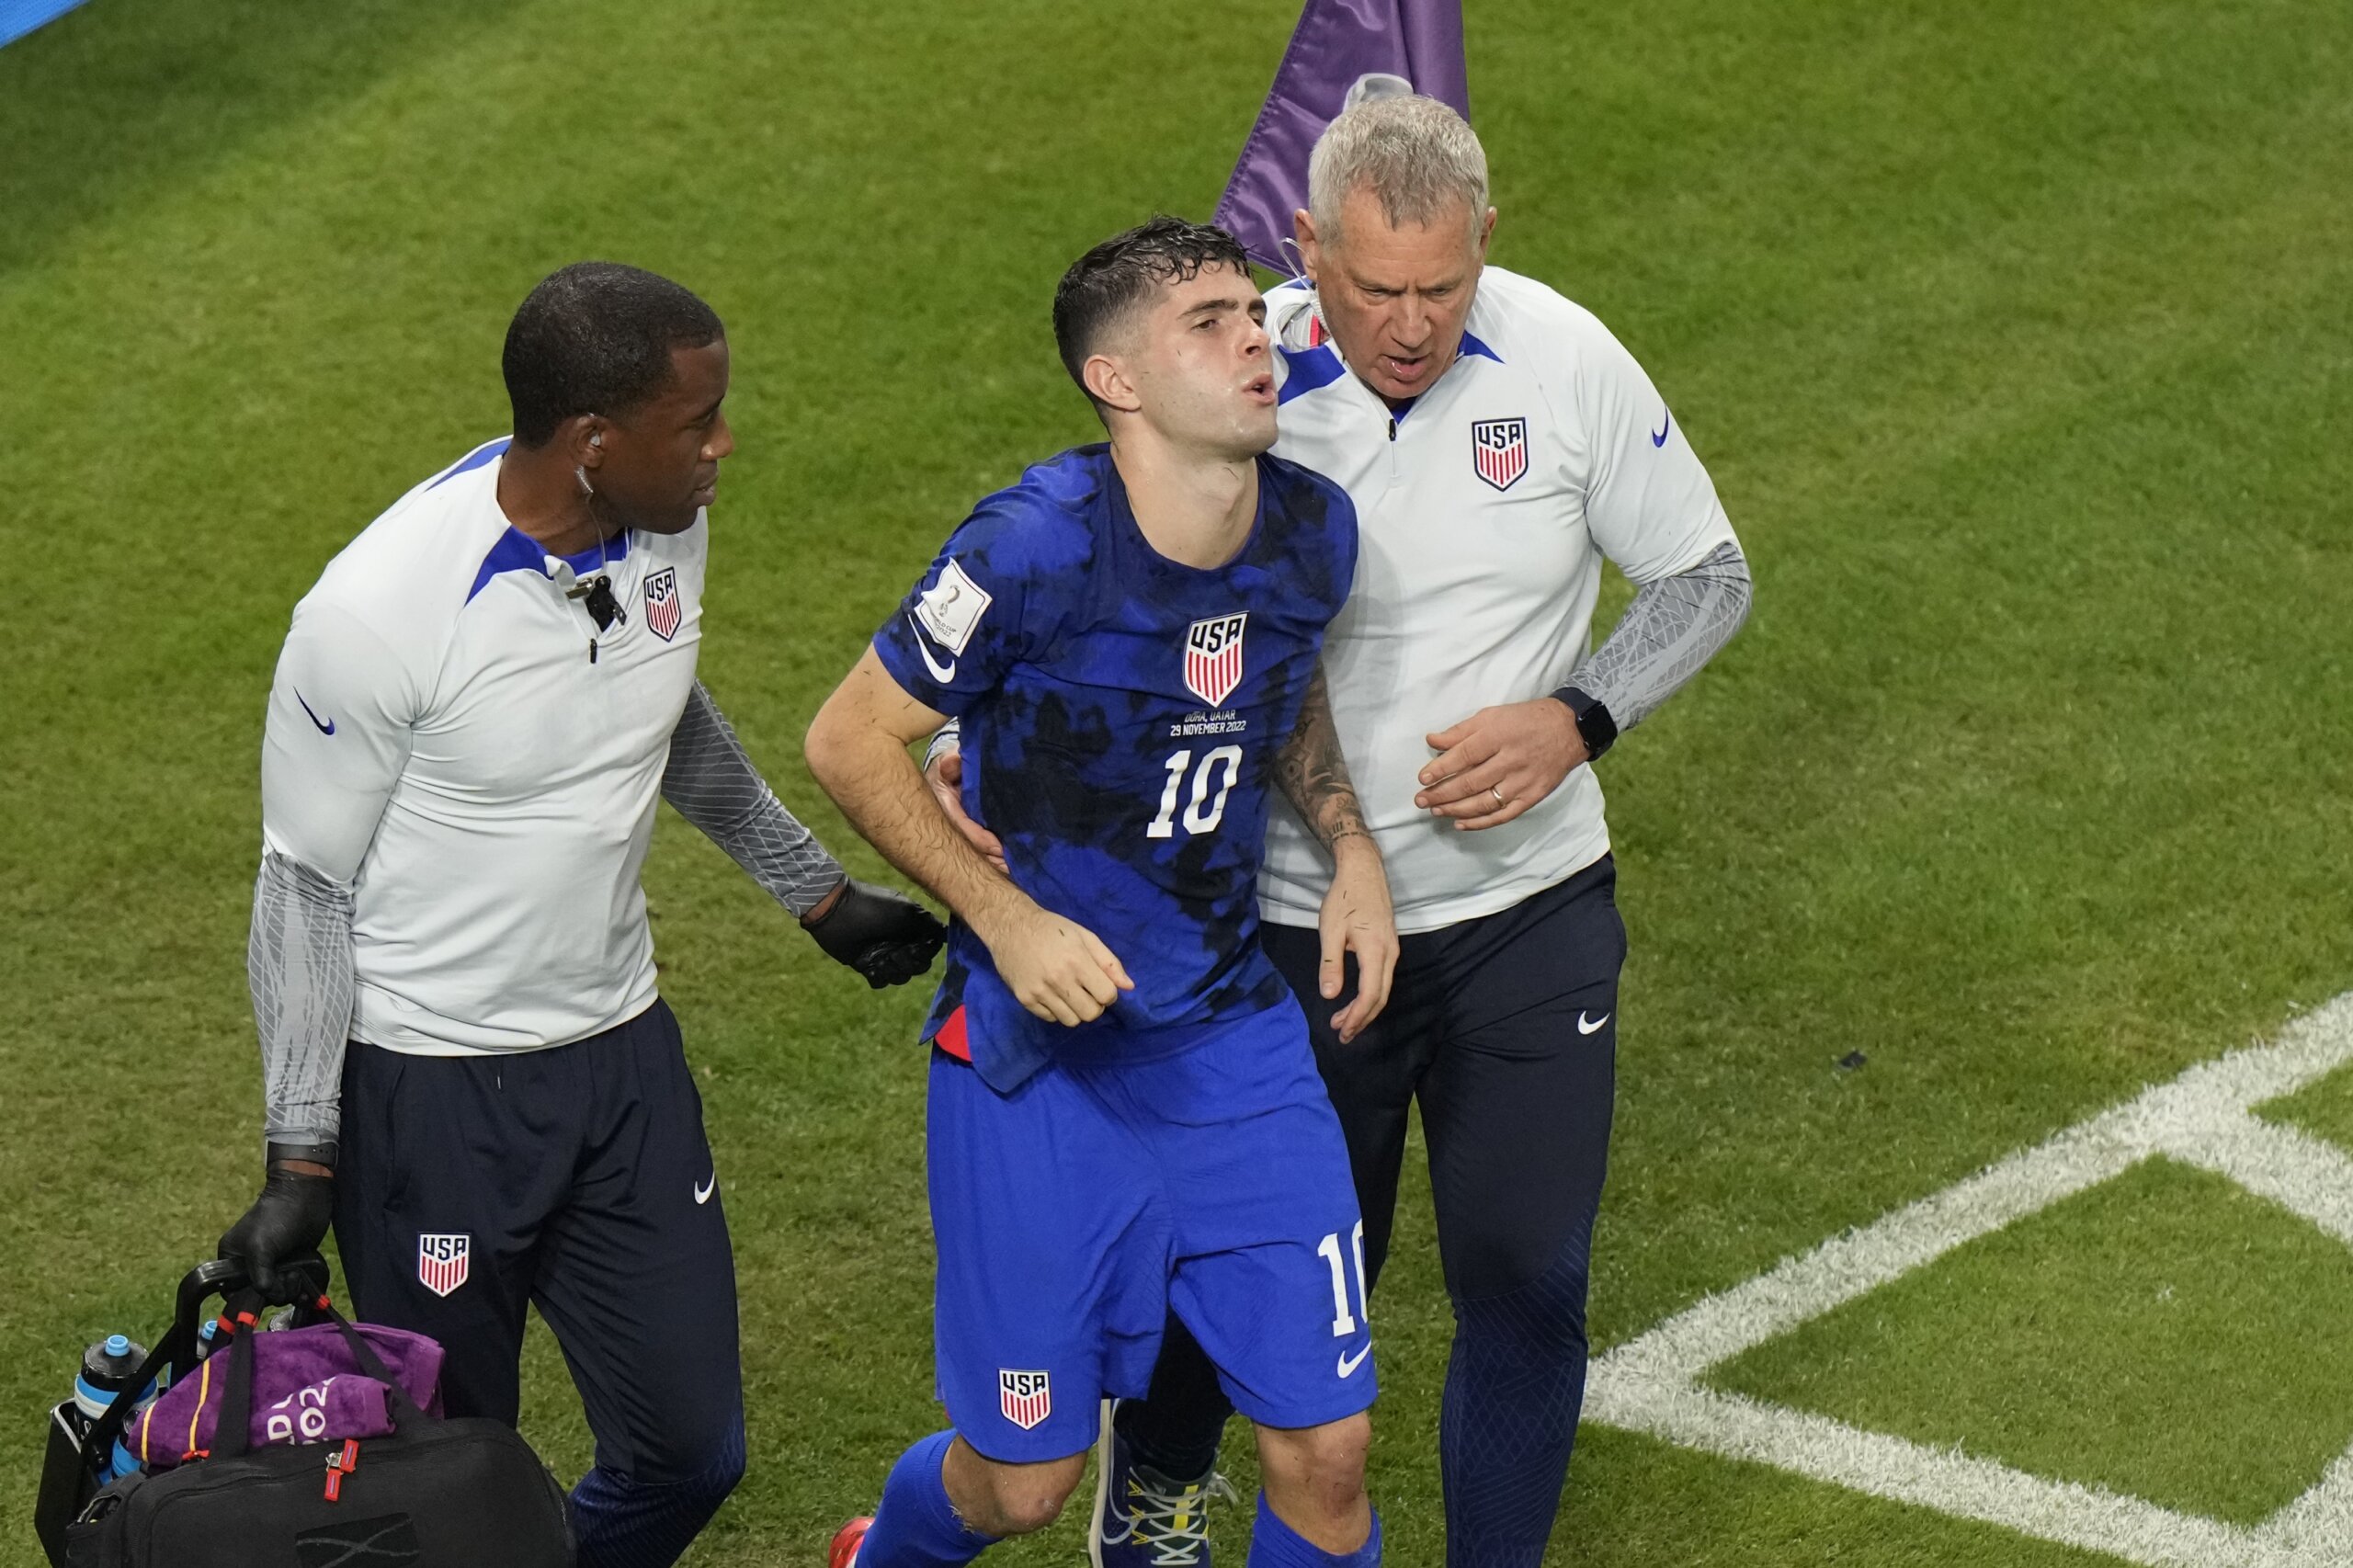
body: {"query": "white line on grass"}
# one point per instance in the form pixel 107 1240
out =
pixel 1653 1384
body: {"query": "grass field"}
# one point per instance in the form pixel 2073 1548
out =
pixel 2015 337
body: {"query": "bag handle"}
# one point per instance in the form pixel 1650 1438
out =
pixel 233 1433
pixel 404 1409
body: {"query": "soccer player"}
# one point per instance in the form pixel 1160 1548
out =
pixel 1125 1117
pixel 476 709
pixel 1500 445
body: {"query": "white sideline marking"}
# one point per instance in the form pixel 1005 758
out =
pixel 2204 1117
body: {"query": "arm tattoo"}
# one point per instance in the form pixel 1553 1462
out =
pixel 1313 775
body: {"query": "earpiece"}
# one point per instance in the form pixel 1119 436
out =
pixel 596 438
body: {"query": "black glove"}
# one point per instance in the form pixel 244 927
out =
pixel 284 1227
pixel 886 936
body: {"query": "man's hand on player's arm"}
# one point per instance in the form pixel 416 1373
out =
pixel 943 769
pixel 1497 764
pixel 1357 917
pixel 857 750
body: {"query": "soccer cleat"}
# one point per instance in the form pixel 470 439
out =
pixel 1143 1519
pixel 846 1540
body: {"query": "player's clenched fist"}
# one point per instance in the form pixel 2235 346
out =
pixel 1058 968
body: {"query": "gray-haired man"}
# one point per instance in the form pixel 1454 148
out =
pixel 1499 444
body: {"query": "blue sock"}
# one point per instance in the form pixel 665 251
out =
pixel 1513 1388
pixel 915 1527
pixel 1274 1544
pixel 625 1523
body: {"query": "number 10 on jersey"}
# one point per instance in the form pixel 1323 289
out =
pixel 1212 781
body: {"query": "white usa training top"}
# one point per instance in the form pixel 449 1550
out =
pixel 1484 511
pixel 440 738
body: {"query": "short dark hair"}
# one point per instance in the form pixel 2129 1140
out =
pixel 596 338
pixel 1117 275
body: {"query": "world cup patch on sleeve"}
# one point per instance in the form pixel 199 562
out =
pixel 952 608
pixel 1026 1398
pixel 442 1261
pixel 662 608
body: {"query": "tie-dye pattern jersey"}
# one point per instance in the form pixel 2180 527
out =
pixel 1121 716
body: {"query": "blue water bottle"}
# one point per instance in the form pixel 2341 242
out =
pixel 108 1367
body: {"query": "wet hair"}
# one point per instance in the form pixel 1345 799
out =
pixel 596 338
pixel 1103 287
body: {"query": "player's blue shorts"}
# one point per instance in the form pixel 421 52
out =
pixel 1198 1169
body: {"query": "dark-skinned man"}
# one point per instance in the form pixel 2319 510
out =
pixel 475 711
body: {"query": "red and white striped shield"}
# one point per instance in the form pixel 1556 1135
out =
pixel 441 1262
pixel 1499 450
pixel 1026 1398
pixel 661 607
pixel 1213 657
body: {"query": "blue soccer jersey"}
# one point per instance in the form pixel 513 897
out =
pixel 1121 716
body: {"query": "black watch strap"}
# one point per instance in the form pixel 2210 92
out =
pixel 1599 730
pixel 316 1154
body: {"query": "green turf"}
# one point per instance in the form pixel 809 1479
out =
pixel 2325 1107
pixel 2015 337
pixel 2166 1334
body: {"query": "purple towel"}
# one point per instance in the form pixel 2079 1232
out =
pixel 307 1388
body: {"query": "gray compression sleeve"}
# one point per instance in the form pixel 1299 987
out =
pixel 713 783
pixel 298 962
pixel 1672 627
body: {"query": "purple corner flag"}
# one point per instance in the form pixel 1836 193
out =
pixel 1337 43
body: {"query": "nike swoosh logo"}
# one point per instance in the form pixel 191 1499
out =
pixel 1591 1025
pixel 1348 1364
pixel 704 1190
pixel 1667 418
pixel 327 726
pixel 943 674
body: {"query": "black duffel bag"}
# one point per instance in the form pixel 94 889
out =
pixel 461 1493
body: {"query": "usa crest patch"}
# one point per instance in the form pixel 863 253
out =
pixel 1499 450
pixel 441 1262
pixel 663 608
pixel 1026 1398
pixel 1213 657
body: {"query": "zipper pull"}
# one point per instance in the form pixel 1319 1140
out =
pixel 1393 430
pixel 340 1463
pixel 592 650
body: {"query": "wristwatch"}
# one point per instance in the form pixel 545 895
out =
pixel 1593 722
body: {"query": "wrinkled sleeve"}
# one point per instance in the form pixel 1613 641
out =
pixel 1673 627
pixel 712 781
pixel 298 962
pixel 341 708
pixel 1654 514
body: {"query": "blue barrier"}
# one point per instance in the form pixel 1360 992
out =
pixel 18 17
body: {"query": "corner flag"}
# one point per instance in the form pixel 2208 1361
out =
pixel 1336 44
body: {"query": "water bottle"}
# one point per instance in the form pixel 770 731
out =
pixel 108 1367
